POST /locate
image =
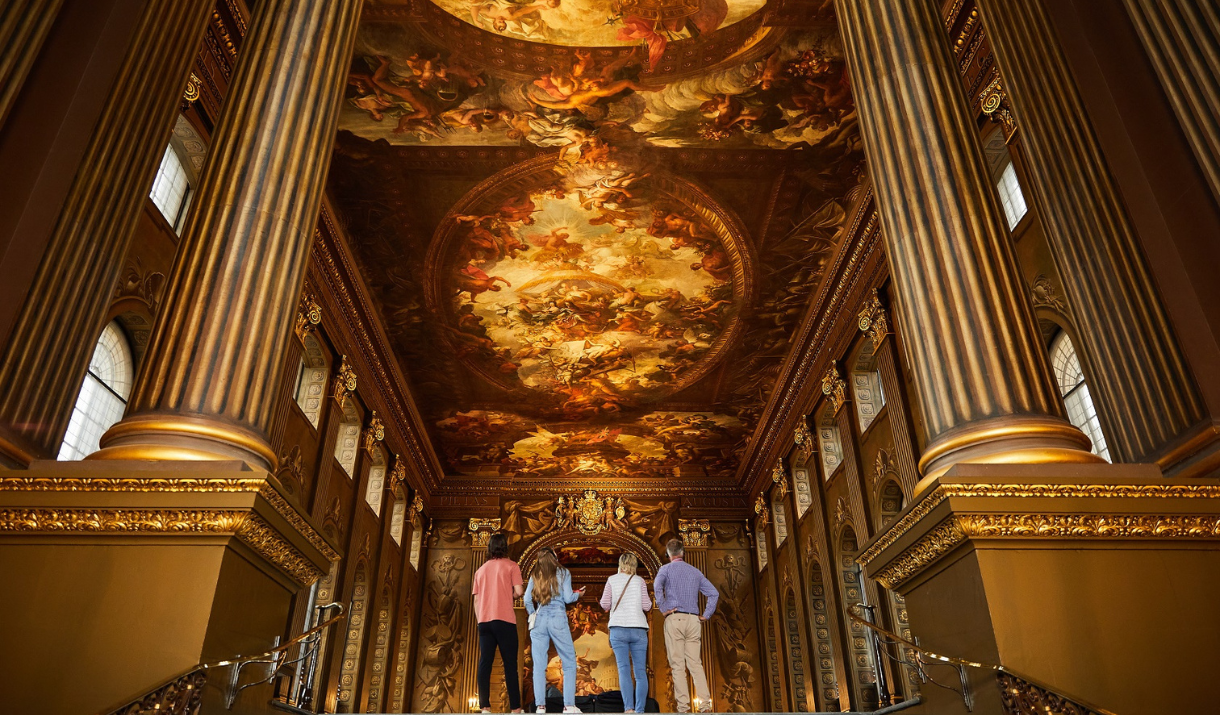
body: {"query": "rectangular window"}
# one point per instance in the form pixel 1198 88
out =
pixel 1010 196
pixel 170 190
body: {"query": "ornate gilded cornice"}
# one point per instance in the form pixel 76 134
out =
pixel 833 386
pixel 249 528
pixel 1030 491
pixel 309 314
pixel 694 532
pixel 129 484
pixel 121 521
pixel 959 527
pixel 294 518
pixel 267 542
pixel 873 320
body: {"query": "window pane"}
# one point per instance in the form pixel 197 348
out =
pixel 103 395
pixel 1011 197
pixel 1081 412
pixel 169 187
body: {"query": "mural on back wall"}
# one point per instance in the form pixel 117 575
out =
pixel 573 275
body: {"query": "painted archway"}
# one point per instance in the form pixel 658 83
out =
pixel 648 557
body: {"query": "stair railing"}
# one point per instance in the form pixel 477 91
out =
pixel 183 693
pixel 1019 695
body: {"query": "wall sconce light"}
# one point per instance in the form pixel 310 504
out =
pixel 474 704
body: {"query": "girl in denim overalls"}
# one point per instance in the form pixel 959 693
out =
pixel 548 594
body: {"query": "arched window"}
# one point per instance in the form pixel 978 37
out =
pixel 348 440
pixel 376 485
pixel 311 380
pixel 103 395
pixel 1070 377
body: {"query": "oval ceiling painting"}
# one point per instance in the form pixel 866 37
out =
pixel 589 286
pixel 601 23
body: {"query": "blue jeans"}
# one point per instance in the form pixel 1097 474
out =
pixel 551 626
pixel 631 653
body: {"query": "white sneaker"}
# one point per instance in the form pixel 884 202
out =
pixel 571 709
pixel 541 710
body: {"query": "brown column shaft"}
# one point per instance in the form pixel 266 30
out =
pixel 24 24
pixel 980 368
pixel 1182 38
pixel 1140 373
pixel 54 335
pixel 209 383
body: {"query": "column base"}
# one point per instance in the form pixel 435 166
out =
pixel 1096 580
pixel 176 437
pixel 120 575
pixel 1006 440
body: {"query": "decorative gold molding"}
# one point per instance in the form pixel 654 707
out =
pixel 294 519
pixel 309 314
pixel 1045 295
pixel 267 542
pixel 417 511
pixel 191 93
pixel 993 102
pixel 694 532
pixel 129 484
pixel 763 512
pixel 802 437
pixel 122 521
pixel 481 531
pixel 779 478
pixel 398 475
pixel 959 527
pixel 1026 491
pixel 834 387
pixel 873 320
pixel 373 433
pixel 345 382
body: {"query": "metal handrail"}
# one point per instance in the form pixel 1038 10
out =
pixel 960 664
pixel 180 694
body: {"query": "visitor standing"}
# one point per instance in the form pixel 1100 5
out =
pixel 496 584
pixel 626 598
pixel 678 585
pixel 546 599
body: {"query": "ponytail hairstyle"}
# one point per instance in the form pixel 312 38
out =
pixel 546 576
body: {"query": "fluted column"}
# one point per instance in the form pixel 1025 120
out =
pixel 208 386
pixel 1182 38
pixel 980 368
pixel 1139 370
pixel 24 24
pixel 54 335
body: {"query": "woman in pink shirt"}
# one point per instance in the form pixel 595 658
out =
pixel 496 583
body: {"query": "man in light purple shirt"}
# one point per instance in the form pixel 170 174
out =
pixel 677 586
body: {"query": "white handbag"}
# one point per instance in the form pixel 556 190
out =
pixel 533 617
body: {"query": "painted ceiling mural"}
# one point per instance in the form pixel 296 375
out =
pixel 591 261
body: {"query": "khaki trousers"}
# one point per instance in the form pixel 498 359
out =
pixel 683 636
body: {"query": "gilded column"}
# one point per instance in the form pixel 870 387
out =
pixel 1140 372
pixel 480 532
pixel 54 335
pixel 208 386
pixel 694 534
pixel 981 371
pixel 24 24
pixel 1182 38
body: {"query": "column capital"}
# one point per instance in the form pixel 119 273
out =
pixel 834 387
pixel 480 530
pixel 694 532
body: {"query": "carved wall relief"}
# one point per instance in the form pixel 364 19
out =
pixel 860 659
pixel 381 645
pixel 350 668
pixel 824 667
pixel 773 661
pixel 796 653
pixel 733 630
pixel 443 640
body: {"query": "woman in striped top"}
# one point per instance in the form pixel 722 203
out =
pixel 626 598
